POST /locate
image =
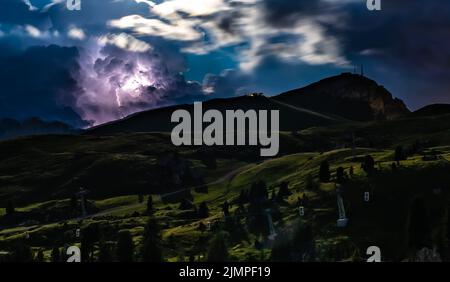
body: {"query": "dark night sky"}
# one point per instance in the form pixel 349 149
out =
pixel 113 58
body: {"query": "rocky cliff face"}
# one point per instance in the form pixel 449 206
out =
pixel 349 95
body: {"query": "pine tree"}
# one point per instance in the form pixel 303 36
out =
pixel 203 211
pixel 201 227
pixel 369 164
pixel 419 226
pixel 262 190
pixel 10 208
pixel 303 241
pixel 284 189
pixel 125 246
pixel 242 197
pixel 22 253
pixel 394 167
pixel 218 249
pixel 105 252
pixel 399 154
pixel 340 175
pixel 274 195
pixel 324 172
pixel 91 234
pixel 55 255
pixel 226 208
pixel 310 184
pixel 282 248
pixel 40 256
pixel 150 204
pixel 63 255
pixel 151 249
pixel 73 203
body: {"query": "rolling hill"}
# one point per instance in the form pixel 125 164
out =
pixel 11 128
pixel 433 110
pixel 339 99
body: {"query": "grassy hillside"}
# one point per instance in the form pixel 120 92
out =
pixel 408 208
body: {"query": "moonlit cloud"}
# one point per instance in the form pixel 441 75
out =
pixel 150 3
pixel 199 23
pixel 304 42
pixel 33 31
pixel 125 41
pixel 76 33
pixel 30 6
pixel 194 8
pixel 179 29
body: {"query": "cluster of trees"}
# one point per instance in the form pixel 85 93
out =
pixel 125 249
pixel 259 205
pixel 402 152
pixel 201 212
pixel 368 165
pixel 298 247
pixel 259 193
pixel 325 175
pixel 94 247
pixel 282 192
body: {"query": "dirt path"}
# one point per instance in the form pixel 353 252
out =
pixel 303 110
pixel 227 177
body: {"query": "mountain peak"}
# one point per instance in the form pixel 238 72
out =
pixel 352 96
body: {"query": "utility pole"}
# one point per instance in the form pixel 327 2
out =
pixel 342 220
pixel 353 145
pixel 82 195
pixel 272 233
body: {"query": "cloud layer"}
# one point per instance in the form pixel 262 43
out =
pixel 117 57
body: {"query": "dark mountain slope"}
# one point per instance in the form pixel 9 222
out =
pixel 346 97
pixel 433 110
pixel 351 96
pixel 291 118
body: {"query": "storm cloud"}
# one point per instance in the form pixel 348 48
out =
pixel 38 82
pixel 114 58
